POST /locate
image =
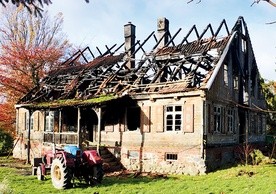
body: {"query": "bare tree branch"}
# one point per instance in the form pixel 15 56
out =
pixel 269 1
pixel 199 1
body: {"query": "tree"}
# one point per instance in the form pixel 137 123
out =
pixel 255 1
pixel 33 6
pixel 29 47
pixel 269 89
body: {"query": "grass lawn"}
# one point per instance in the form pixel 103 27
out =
pixel 241 179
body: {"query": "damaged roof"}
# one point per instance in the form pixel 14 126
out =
pixel 174 67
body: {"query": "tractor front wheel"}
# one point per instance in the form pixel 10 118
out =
pixel 60 174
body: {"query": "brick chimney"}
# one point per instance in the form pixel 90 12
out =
pixel 163 29
pixel 129 33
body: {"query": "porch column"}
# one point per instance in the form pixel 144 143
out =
pixel 29 137
pixel 99 114
pixel 78 127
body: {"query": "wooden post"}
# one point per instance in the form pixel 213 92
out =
pixel 78 127
pixel 29 138
pixel 99 129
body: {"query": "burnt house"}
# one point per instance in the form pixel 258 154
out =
pixel 171 103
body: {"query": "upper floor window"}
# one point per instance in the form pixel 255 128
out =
pixel 226 81
pixel 173 116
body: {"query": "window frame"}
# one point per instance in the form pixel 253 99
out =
pixel 218 116
pixel 231 120
pixel 175 126
pixel 49 121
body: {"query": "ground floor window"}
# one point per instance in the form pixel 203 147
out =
pixel 217 119
pixel 231 120
pixel 49 121
pixel 173 116
pixel 133 118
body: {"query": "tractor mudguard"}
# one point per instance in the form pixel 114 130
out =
pixel 91 157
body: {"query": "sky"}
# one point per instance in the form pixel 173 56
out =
pixel 101 22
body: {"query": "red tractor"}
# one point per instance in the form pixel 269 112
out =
pixel 69 164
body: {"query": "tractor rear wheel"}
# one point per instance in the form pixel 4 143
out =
pixel 60 174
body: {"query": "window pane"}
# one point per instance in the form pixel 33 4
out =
pixel 169 108
pixel 169 128
pixel 178 108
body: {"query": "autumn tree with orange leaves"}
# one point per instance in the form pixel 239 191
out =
pixel 29 47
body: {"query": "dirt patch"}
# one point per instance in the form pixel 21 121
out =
pixel 20 165
pixel 135 174
pixel 248 173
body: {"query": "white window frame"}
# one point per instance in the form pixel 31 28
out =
pixel 174 113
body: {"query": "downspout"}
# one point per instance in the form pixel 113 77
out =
pixel 99 129
pixel 204 137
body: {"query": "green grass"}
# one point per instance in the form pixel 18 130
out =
pixel 241 179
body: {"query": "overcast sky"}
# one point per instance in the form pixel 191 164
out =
pixel 101 22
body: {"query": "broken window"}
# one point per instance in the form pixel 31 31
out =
pixel 133 118
pixel 171 156
pixel 70 116
pixel 49 121
pixel 236 82
pixel 173 118
pixel 226 75
pixel 217 119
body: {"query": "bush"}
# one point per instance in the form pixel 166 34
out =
pixel 258 158
pixel 6 142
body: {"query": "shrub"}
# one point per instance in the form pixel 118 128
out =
pixel 6 142
pixel 258 158
pixel 5 188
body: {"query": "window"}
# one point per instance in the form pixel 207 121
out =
pixel 231 120
pixel 133 154
pixel 27 120
pixel 253 123
pixel 32 122
pixel 236 82
pixel 225 75
pixel 217 118
pixel 49 122
pixel 133 118
pixel 260 124
pixel 171 156
pixel 173 118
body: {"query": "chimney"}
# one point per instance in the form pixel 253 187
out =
pixel 163 30
pixel 129 33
